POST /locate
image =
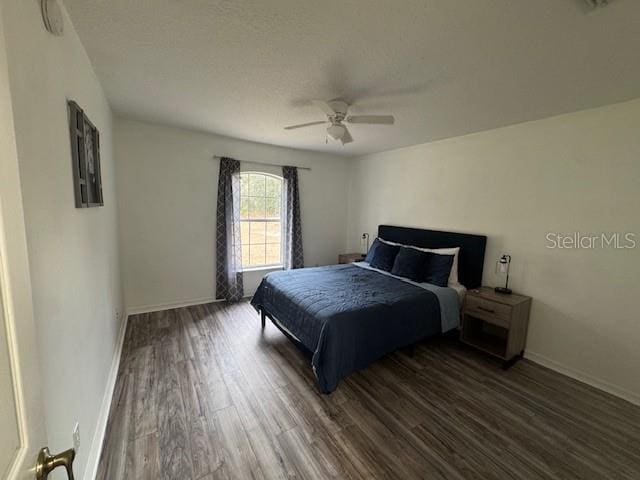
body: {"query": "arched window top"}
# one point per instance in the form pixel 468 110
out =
pixel 260 219
pixel 266 174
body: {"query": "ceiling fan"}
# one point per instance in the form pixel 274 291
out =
pixel 336 111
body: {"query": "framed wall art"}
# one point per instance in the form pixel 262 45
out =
pixel 85 154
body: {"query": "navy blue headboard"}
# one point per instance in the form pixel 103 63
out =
pixel 470 260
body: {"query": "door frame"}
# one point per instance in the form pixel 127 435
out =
pixel 15 288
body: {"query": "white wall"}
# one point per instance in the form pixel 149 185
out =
pixel 576 172
pixel 167 183
pixel 73 253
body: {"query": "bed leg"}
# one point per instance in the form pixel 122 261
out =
pixel 263 317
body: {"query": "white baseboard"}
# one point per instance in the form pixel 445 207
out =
pixel 168 306
pixel 583 377
pixel 98 437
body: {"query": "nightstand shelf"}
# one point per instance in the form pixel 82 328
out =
pixel 475 334
pixel 496 323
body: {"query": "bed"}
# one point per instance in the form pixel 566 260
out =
pixel 348 316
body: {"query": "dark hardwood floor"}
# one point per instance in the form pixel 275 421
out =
pixel 204 393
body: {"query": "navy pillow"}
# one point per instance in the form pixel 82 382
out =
pixel 372 250
pixel 410 263
pixel 437 269
pixel 383 256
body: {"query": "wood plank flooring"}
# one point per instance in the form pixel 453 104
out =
pixel 203 393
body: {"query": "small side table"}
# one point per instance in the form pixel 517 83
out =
pixel 350 257
pixel 496 323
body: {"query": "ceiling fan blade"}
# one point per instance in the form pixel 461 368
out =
pixel 302 125
pixel 346 138
pixel 371 119
pixel 324 106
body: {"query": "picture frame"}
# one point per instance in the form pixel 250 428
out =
pixel 85 155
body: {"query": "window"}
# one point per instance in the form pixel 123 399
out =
pixel 260 219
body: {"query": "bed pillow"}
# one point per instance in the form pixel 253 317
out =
pixel 437 269
pixel 453 275
pixel 455 251
pixel 375 244
pixel 372 250
pixel 410 263
pixel 383 256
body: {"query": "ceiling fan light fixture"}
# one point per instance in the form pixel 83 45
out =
pixel 336 131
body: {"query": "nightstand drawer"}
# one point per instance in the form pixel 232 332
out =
pixel 492 312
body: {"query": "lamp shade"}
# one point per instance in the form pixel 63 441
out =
pixel 364 242
pixel 502 266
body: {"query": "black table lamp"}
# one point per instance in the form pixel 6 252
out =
pixel 502 267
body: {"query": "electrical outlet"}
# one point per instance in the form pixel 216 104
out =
pixel 76 436
pixel 117 314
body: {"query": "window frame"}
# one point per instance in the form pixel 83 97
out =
pixel 269 266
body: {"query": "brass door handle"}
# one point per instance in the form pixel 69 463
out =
pixel 47 462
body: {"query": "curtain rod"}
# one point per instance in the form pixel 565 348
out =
pixel 265 163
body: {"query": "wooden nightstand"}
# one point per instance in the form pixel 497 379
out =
pixel 496 323
pixel 350 257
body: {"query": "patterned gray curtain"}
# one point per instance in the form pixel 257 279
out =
pixel 292 255
pixel 229 283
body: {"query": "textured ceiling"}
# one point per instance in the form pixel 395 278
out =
pixel 443 67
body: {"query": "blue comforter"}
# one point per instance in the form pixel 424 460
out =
pixel 347 316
